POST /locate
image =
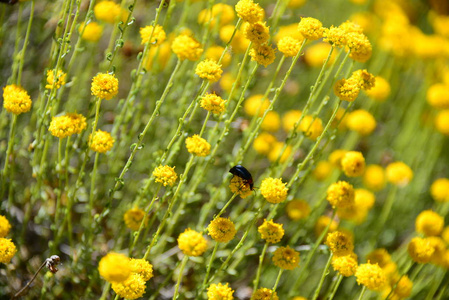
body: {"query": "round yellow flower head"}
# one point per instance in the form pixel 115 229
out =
pixel 371 276
pixel 359 46
pixel 296 4
pixel 403 288
pixel 186 47
pixel 7 250
pixel 336 156
pixel 142 267
pixel 437 96
pixel 271 232
pixel 347 89
pixel 310 127
pixel 264 142
pixel 311 28
pixel 221 12
pixel 275 153
pixel 272 122
pixel 315 54
pixel 5 226
pixel 349 27
pixel 345 265
pixel 289 46
pixel 240 186
pixel 286 258
pixel 297 209
pixel 379 256
pixel 364 199
pixel 254 105
pixel 361 121
pixel 66 125
pixel 442 121
pixel 16 100
pixel 209 69
pixel 340 243
pixel 165 175
pixel 104 86
pixel 264 294
pixel 399 173
pixel 213 103
pixel 340 194
pixel 115 267
pixel 288 30
pixel 420 250
pixel 60 79
pixel 219 292
pixel 440 190
pixel 221 230
pixel 258 33
pixel 263 54
pixel 192 243
pixel 101 142
pixel 274 190
pixel 429 223
pixel 197 146
pixel 336 36
pixel 322 223
pixel 439 247
pixel 214 53
pixel 380 91
pixel 249 11
pixel 322 170
pixel 133 218
pixel 353 164
pixel 365 79
pixel 108 11
pixel 132 288
pixel 374 178
pixel 157 34
pixel 91 32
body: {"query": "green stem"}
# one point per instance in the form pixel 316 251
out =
pixel 335 287
pixel 276 283
pixel 9 150
pixel 226 206
pixel 181 271
pixel 362 293
pixel 259 268
pixel 397 282
pixel 323 276
pixel 204 124
pixel 25 43
pixel 386 209
pixel 209 266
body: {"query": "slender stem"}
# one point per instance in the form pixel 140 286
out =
pixel 226 205
pixel 209 266
pixel 25 43
pixel 386 209
pixel 276 283
pixel 397 282
pixel 204 124
pixel 362 293
pixel 181 271
pixel 323 276
pixel 19 293
pixel 259 268
pixel 335 288
pixel 97 114
pixel 8 157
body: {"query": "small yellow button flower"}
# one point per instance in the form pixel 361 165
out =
pixel 271 232
pixel 289 46
pixel 339 243
pixel 347 89
pixel 115 267
pixel 272 122
pixel 311 28
pixel 380 91
pixel 359 46
pixel 209 69
pixel 101 142
pixel 158 37
pixel 420 250
pixel 221 230
pixel 263 54
pixel 353 164
pixel 335 36
pixel 322 170
pixel 361 121
pixel 197 146
pixel 132 288
pixel 297 209
pixel 186 47
pixel 374 177
pixel 67 125
pixel 104 86
pixel 16 100
pixel 192 243
pixel 442 121
pixel 345 265
pixel 60 79
pixel 258 33
pixel 286 258
pixel 440 190
pixel 429 223
pixel 5 226
pixel 254 104
pixel 240 187
pixel 219 292
pixel 249 11
pixel 264 142
pixel 143 268
pixel 108 11
pixel 437 96
pixel 379 256
pixel 91 32
pixel 312 127
pixel 165 175
pixel 399 174
pixel 274 190
pixel 7 250
pixel 264 294
pixel 133 218
pixel 403 288
pixel 340 194
pixel 371 276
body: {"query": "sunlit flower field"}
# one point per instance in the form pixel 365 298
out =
pixel 224 149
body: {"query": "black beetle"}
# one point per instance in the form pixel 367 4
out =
pixel 243 173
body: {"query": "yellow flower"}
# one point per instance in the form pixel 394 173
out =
pixel 442 121
pixel 322 170
pixel 66 125
pixel 311 28
pixel 361 121
pixel 335 36
pixel 275 152
pixel 264 294
pixel 429 223
pixel 345 265
pixel 340 194
pixel 214 53
pixel 371 276
pixel 322 223
pixel 271 232
pixel 239 43
pixel 263 54
pixel 115 267
pixel 213 103
pixel 104 86
pixel 221 230
pixel 16 100
pixel 404 287
pixel 365 79
pixel 7 250
pixel 315 55
pixel 379 256
pixel 359 46
pixel 289 46
pixel 286 258
pixel 288 30
pixel 5 226
pixel 440 190
pixel 399 173
pixel 347 89
pixel 109 11
pixel 336 156
pixel 91 32
pixel 420 250
pixel 220 11
pixel 340 243
pixel 165 175
pixel 186 47
pixel 192 243
pixel 209 69
pixel 197 146
pixel 264 142
pixel 143 268
pixel 258 32
pixel 240 186
pixel 353 164
pixel 133 218
pixel 273 190
pixel 297 209
pixel 249 11
pixel 437 96
pixel 219 292
pixel 296 4
pixel 380 91
pixel 60 79
pixel 310 127
pixel 374 177
pixel 158 37
pixel 272 122
pixel 101 142
pixel 254 104
pixel 349 27
pixel 132 288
